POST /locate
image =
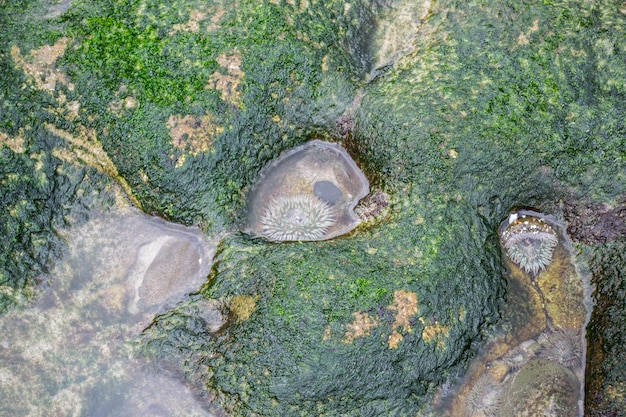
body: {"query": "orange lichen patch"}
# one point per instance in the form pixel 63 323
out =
pixel 227 84
pixel 405 306
pixel 523 38
pixel 193 134
pixel 434 332
pixel 15 143
pixel 85 147
pixel 39 65
pixel 361 326
pixel 242 306
pixel 192 25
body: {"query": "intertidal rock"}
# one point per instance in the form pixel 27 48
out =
pixel 169 265
pixel 308 193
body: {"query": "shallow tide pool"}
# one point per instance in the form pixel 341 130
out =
pixel 70 353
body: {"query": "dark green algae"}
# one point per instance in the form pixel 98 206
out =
pixel 606 364
pixel 40 195
pixel 129 43
pixel 291 355
pixel 468 125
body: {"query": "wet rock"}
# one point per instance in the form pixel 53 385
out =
pixel 167 268
pixel 542 388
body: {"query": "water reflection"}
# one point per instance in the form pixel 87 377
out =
pixel 68 355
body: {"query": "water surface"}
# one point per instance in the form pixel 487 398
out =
pixel 69 353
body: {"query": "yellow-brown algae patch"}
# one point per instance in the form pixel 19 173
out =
pixel 523 38
pixel 563 291
pixel 360 327
pixel 394 339
pixel 405 305
pixel 434 331
pixel 39 65
pixel 193 134
pixel 228 84
pixel 242 306
pixel 15 143
pixel 87 148
pixel 127 103
pixel 192 25
pixel 326 334
pixel 213 26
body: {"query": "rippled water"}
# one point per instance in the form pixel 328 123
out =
pixel 70 354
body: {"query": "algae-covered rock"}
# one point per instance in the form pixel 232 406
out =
pixel 475 110
pixel 606 391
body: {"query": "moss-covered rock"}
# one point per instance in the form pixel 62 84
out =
pixel 371 322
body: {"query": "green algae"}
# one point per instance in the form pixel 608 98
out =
pixel 132 45
pixel 298 350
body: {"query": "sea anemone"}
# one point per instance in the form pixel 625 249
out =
pixel 563 346
pixel 529 242
pixel 299 217
pixel 484 399
pixel 308 193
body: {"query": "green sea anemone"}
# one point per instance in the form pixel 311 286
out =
pixel 299 217
pixel 484 398
pixel 529 242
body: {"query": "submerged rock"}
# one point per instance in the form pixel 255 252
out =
pixel 541 388
pixel 308 193
pixel 484 399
